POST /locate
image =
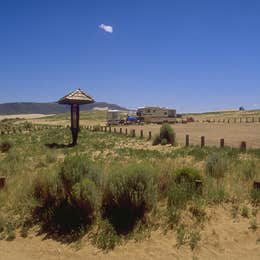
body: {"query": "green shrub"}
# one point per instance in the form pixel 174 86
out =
pixel 187 175
pixel 166 132
pixel 67 200
pixel 166 136
pixel 182 189
pixel 194 239
pixel 106 237
pixel 216 193
pixel 128 194
pixel 249 169
pixel 216 165
pixel 164 141
pixel 5 146
pixel 255 195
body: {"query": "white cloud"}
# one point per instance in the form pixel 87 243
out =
pixel 106 28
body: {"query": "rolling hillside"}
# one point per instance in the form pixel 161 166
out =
pixel 47 108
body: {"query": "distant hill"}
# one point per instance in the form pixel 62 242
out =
pixel 48 108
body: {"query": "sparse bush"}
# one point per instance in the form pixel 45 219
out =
pixel 255 196
pixel 186 175
pixel 245 212
pixel 194 239
pixel 181 190
pixel 166 136
pixel 216 165
pixel 106 237
pixel 166 132
pixel 129 193
pixel 164 141
pixel 181 235
pixel 67 201
pixel 5 146
pixel 216 193
pixel 249 170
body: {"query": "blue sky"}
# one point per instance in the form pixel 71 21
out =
pixel 191 55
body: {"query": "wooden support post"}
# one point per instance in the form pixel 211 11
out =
pixel 243 146
pixel 202 141
pixel 110 129
pixel 253 119
pixel 240 120
pixel 246 120
pixel 141 133
pixel 2 182
pixel 228 121
pixel 133 132
pixel 120 130
pixel 150 135
pixel 187 143
pixel 222 143
pixel 114 130
pixel 235 120
pixel 126 131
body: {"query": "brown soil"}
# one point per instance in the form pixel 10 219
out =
pixel 222 238
pixel 233 134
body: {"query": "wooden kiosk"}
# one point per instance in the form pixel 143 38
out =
pixel 74 99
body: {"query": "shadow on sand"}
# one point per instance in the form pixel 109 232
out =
pixel 58 146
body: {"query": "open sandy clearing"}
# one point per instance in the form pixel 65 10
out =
pixel 232 133
pixel 222 238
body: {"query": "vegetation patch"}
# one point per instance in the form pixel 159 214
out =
pixel 129 193
pixel 66 202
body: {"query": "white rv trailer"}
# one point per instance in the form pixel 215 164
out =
pixel 156 114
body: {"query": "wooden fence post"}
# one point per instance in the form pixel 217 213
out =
pixel 133 132
pixel 243 146
pixel 222 142
pixel 126 131
pixel 141 133
pixel 187 140
pixel 105 128
pixel 150 135
pixel 114 130
pixel 110 129
pixel 202 141
pixel 120 130
pixel 2 182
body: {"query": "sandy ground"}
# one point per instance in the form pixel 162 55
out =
pixel 222 238
pixel 233 134
pixel 23 116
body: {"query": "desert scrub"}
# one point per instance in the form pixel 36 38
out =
pixel 216 165
pixel 249 169
pixel 166 136
pixel 181 190
pixel 129 193
pixel 67 200
pixel 105 236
